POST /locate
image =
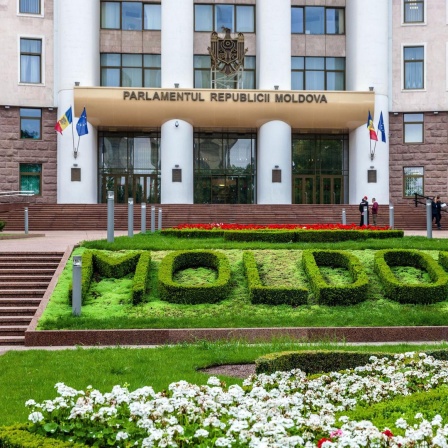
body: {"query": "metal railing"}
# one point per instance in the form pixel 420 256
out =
pixel 16 193
pixel 421 199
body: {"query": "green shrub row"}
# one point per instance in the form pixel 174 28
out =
pixel 115 265
pixel 285 236
pixel 411 293
pixel 322 361
pixel 327 294
pixel 18 436
pixel 203 293
pixel 271 295
pixel 2 225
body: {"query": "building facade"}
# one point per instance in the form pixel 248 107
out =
pixel 277 116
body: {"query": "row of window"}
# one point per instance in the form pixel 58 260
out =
pixel 238 18
pixel 137 70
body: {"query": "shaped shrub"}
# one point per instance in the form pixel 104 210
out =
pixel 327 294
pixel 270 295
pixel 175 292
pixel 411 293
pixel 115 265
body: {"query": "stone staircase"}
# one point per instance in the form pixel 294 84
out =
pixel 60 217
pixel 24 279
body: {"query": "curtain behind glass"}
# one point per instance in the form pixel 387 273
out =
pixel 152 17
pixel 413 11
pixel 110 15
pixel 314 20
pixel 203 18
pixel 29 6
pixel 297 20
pixel 245 19
pixel 131 16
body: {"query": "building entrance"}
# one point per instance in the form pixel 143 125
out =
pixel 317 189
pixel 139 187
pixel 319 169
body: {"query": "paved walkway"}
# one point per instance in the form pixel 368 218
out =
pixel 59 241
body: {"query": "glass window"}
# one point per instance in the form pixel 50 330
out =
pixel 29 6
pixel 224 18
pixel 202 73
pixel 152 14
pixel 31 123
pixel 30 60
pixel 413 128
pixel 110 15
pixel 414 58
pixel 130 70
pixel 245 19
pixel 203 17
pixel 152 72
pixel 131 16
pixel 335 21
pixel 413 11
pixel 238 18
pixel 314 20
pixel 314 73
pixel 297 20
pixel 31 177
pixel 413 177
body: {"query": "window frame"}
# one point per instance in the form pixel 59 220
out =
pixel 304 18
pixel 31 174
pixel 407 121
pixel 208 70
pixel 405 62
pixel 414 22
pixel 32 118
pixel 325 70
pixel 120 67
pixel 40 13
pixel 120 26
pixel 41 60
pixel 235 17
pixel 413 176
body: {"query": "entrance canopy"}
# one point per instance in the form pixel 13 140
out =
pixel 127 108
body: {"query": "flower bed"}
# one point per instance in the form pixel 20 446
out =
pixel 285 409
pixel 224 226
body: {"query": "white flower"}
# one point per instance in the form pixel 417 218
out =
pixel 36 417
pixel 121 435
pixel 200 433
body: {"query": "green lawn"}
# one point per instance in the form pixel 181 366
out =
pixel 109 302
pixel 33 373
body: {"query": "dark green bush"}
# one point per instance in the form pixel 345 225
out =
pixel 314 361
pixel 18 436
pixel 141 277
pixel 436 291
pixel 193 233
pixel 174 292
pixel 267 236
pixel 107 264
pixel 2 225
pixel 322 361
pixel 269 294
pixel 327 294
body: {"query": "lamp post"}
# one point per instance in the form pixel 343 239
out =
pixel 153 219
pixel 160 219
pixel 76 282
pixel 130 217
pixel 110 216
pixel 26 220
pixel 428 218
pixel 143 218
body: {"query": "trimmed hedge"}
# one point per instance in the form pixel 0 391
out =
pixel 436 291
pixel 270 295
pixel 285 236
pixel 327 294
pixel 322 361
pixel 174 292
pixel 107 264
pixel 2 225
pixel 18 436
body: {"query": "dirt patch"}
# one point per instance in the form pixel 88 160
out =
pixel 235 370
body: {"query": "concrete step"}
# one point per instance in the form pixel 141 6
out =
pixel 7 302
pixel 28 272
pixel 12 330
pixel 23 285
pixel 6 321
pixel 17 310
pixel 12 340
pixel 6 293
pixel 12 278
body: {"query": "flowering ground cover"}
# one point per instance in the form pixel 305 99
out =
pixel 234 226
pixel 285 409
